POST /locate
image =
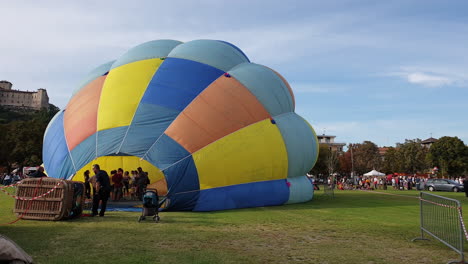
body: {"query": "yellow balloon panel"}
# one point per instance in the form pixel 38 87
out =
pixel 252 154
pixel 127 163
pixel 122 91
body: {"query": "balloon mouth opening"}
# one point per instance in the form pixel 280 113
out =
pixel 127 164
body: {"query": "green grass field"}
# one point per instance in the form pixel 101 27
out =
pixel 354 227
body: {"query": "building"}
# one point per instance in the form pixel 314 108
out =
pixel 22 99
pixel 383 151
pixel 330 141
pixel 428 142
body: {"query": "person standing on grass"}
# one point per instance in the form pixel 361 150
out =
pixel 135 178
pixel 138 180
pixel 126 183
pixel 117 180
pixel 92 180
pixel 465 185
pixel 142 182
pixel 112 173
pixel 102 190
pixel 87 185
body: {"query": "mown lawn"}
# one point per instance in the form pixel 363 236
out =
pixel 354 227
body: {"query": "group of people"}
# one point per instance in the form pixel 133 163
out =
pixel 100 187
pixel 383 183
pixel 115 186
pixel 7 179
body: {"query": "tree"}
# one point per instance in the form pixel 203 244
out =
pixel 412 156
pixel 332 162
pixel 22 134
pixel 327 162
pixel 5 148
pixel 366 157
pixel 345 163
pixel 392 161
pixel 449 154
pixel 321 166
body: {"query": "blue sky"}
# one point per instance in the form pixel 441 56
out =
pixel 362 70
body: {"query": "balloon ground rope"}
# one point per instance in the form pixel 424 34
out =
pixel 32 198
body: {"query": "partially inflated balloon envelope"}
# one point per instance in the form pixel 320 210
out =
pixel 213 130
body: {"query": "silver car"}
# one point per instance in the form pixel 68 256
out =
pixel 444 185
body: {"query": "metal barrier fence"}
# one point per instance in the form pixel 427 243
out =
pixel 441 218
pixel 328 189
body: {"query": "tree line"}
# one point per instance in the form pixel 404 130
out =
pixel 21 135
pixel 448 154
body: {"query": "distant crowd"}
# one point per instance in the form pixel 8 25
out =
pixel 384 183
pixel 7 179
pixel 14 177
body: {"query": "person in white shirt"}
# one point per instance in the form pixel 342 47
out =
pixel 7 180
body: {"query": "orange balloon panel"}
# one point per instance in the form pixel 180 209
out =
pixel 80 118
pixel 160 186
pixel 222 108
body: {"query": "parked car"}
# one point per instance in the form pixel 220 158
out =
pixel 444 185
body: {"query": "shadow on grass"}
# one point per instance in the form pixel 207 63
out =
pixel 119 218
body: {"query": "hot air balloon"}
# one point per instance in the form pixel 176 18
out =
pixel 212 129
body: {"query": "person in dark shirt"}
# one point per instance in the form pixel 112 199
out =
pixel 111 176
pixel 465 186
pixel 38 174
pixel 102 190
pixel 142 182
pixel 126 183
pixel 87 185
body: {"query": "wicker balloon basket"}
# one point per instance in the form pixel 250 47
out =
pixel 49 199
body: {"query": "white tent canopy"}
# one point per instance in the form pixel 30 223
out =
pixel 374 173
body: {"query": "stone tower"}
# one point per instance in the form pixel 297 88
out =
pixel 42 99
pixel 6 85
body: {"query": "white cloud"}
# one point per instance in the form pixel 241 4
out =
pixel 431 76
pixel 429 79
